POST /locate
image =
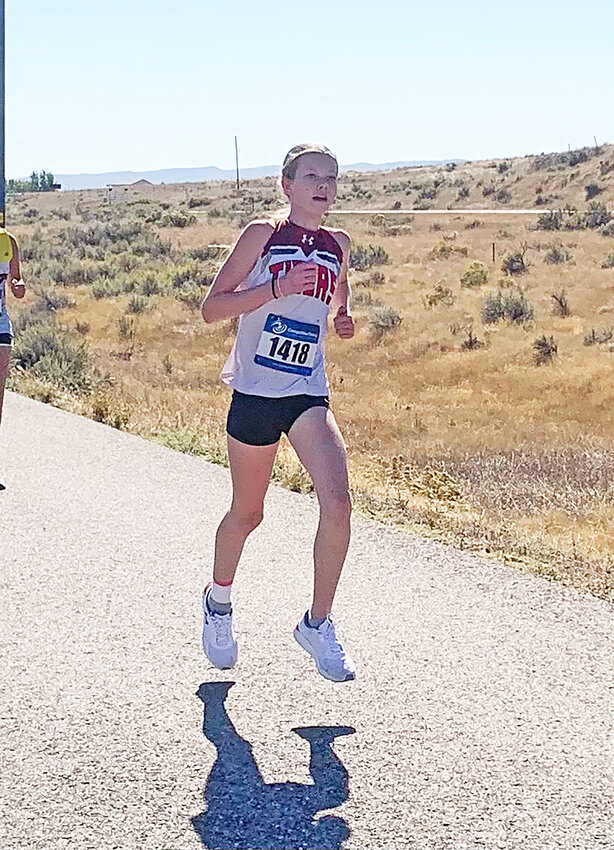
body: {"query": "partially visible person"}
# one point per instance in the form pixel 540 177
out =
pixel 10 279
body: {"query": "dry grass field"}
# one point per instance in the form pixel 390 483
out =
pixel 476 398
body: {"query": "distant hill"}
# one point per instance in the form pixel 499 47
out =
pixel 210 172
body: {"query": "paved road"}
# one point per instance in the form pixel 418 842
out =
pixel 479 718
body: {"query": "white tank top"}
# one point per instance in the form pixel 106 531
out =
pixel 279 349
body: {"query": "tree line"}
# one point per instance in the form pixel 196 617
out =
pixel 42 182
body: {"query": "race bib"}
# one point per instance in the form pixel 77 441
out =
pixel 287 345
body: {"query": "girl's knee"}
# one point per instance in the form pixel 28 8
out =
pixel 246 521
pixel 337 506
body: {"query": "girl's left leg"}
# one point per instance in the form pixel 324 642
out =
pixel 318 442
pixel 5 356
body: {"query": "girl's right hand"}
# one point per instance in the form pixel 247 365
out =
pixel 299 278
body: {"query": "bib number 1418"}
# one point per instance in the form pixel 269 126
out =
pixel 292 352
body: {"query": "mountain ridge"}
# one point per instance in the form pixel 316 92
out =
pixel 212 172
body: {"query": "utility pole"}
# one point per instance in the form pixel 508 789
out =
pixel 2 119
pixel 236 157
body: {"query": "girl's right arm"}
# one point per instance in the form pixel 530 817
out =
pixel 222 301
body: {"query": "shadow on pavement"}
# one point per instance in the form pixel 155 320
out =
pixel 245 813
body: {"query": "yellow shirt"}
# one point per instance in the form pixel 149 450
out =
pixel 6 250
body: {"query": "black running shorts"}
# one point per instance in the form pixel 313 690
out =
pixel 260 421
pixel 6 339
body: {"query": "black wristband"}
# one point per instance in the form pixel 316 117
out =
pixel 273 287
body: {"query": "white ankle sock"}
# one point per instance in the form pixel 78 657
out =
pixel 220 593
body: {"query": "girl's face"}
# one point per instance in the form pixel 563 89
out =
pixel 314 187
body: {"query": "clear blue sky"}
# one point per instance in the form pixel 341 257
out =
pixel 101 85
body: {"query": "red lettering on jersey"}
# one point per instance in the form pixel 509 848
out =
pixel 284 266
pixel 322 283
pixel 275 270
pixel 326 280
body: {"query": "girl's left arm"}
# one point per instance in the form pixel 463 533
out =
pixel 18 287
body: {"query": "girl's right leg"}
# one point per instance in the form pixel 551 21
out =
pixel 250 470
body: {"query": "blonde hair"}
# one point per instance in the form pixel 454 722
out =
pixel 290 165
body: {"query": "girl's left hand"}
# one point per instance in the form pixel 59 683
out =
pixel 18 288
pixel 344 324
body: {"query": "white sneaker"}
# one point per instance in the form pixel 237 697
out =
pixel 325 648
pixel 218 640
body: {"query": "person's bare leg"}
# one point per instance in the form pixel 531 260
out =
pixel 250 469
pixel 318 442
pixel 5 356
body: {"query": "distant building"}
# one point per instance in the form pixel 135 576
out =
pixel 117 192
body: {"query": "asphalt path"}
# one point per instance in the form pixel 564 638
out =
pixel 479 718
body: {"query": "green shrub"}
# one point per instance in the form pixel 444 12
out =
pixel 607 229
pixel 137 304
pixel 444 250
pixel 512 306
pixel 371 279
pixel 64 215
pixel 190 273
pixel 608 263
pixel 205 252
pixel 557 253
pixel 384 320
pixel 514 263
pixel 561 305
pixel 493 308
pixel 544 349
pixel 190 294
pixel 476 275
pixel 471 342
pixel 592 190
pixel 364 298
pixel 568 159
pixel 150 286
pixel 552 220
pixel 441 294
pixel 594 336
pixel 198 202
pixel 177 218
pixel 596 216
pixel 54 355
pixel 364 256
pixel 106 288
pixel 53 301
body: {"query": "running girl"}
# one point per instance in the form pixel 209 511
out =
pixel 10 278
pixel 283 278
